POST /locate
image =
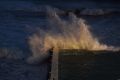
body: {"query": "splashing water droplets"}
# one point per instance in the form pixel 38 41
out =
pixel 64 34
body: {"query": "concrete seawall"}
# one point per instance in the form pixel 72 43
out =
pixel 85 65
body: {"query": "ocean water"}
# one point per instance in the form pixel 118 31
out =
pixel 21 19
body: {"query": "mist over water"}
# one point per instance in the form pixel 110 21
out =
pixel 73 33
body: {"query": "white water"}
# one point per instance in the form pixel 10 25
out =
pixel 73 33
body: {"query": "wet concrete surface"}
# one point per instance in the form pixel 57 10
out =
pixel 89 66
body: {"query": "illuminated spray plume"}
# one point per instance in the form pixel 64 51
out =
pixel 73 33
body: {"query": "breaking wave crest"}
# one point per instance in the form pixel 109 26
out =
pixel 73 33
pixel 12 53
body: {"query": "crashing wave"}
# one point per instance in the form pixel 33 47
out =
pixel 73 33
